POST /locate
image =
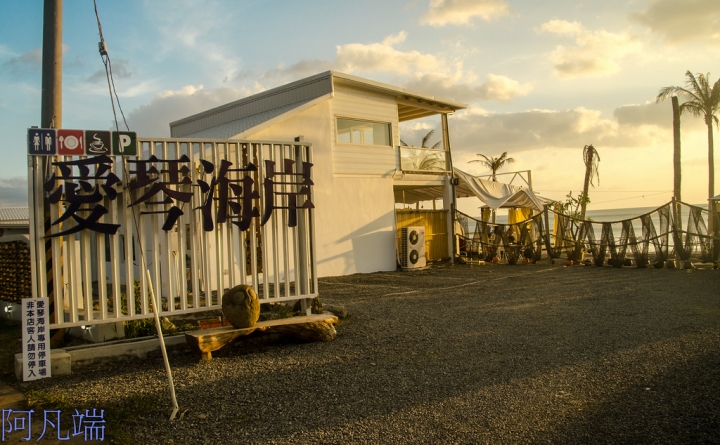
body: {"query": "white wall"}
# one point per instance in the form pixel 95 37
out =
pixel 354 215
pixel 364 160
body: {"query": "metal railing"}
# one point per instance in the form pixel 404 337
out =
pixel 207 215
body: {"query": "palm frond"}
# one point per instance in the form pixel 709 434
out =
pixel 426 138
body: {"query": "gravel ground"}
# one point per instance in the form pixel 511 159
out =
pixel 454 354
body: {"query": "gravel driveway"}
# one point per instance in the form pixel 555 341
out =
pixel 455 354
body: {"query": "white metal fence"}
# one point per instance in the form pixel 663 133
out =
pixel 206 214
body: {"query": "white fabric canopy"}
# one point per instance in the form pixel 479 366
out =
pixel 493 194
pixel 497 194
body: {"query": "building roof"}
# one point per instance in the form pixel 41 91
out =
pixel 14 216
pixel 246 116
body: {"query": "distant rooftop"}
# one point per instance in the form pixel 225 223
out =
pixel 14 216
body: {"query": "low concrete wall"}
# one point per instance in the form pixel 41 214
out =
pixel 72 359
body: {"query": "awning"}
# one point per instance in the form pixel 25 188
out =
pixel 497 194
pixel 492 194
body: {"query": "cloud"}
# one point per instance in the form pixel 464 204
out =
pixel 632 127
pixel 120 70
pixel 531 130
pixel 383 56
pixel 298 70
pixel 29 61
pixel 596 53
pixel 199 32
pixel 461 12
pixel 153 119
pixel 495 87
pixel 364 57
pixel 654 114
pixel 427 72
pixel 13 192
pixel 684 21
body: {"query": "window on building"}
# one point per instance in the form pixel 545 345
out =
pixel 352 131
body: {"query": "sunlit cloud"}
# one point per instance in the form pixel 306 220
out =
pixel 364 58
pixel 683 21
pixel 461 12
pixel 382 56
pixel 657 114
pixel 532 130
pixel 154 118
pixel 595 53
pixel 461 88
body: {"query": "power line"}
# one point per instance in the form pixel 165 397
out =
pixel 102 47
pixel 610 191
pixel 632 197
pixel 153 296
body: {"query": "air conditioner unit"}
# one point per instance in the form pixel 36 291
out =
pixel 412 247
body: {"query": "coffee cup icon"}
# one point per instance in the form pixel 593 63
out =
pixel 97 145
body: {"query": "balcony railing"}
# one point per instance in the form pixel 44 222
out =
pixel 423 160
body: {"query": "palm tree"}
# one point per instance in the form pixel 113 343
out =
pixel 494 163
pixel 700 100
pixel 591 159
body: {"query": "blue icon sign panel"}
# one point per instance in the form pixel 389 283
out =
pixel 42 141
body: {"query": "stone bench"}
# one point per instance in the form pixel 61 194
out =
pixel 317 327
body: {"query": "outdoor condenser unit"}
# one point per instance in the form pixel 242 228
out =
pixel 412 249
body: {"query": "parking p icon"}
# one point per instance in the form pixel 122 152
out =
pixel 124 143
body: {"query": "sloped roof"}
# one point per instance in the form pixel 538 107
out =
pixel 247 116
pixel 14 216
pixel 237 127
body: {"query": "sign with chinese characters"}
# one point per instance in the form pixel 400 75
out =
pixel 64 142
pixel 202 215
pixel 35 339
pixel 90 425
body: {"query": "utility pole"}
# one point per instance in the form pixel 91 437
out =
pixel 50 117
pixel 51 112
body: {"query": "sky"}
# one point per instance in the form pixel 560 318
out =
pixel 542 78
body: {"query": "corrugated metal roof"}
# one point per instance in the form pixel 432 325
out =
pixel 14 216
pixel 255 107
pixel 233 128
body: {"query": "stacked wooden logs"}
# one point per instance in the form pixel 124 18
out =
pixel 14 271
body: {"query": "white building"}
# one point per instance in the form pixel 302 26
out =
pixel 360 168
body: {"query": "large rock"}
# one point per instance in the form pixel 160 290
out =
pixel 241 306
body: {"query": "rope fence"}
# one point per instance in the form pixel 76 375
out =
pixel 675 230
